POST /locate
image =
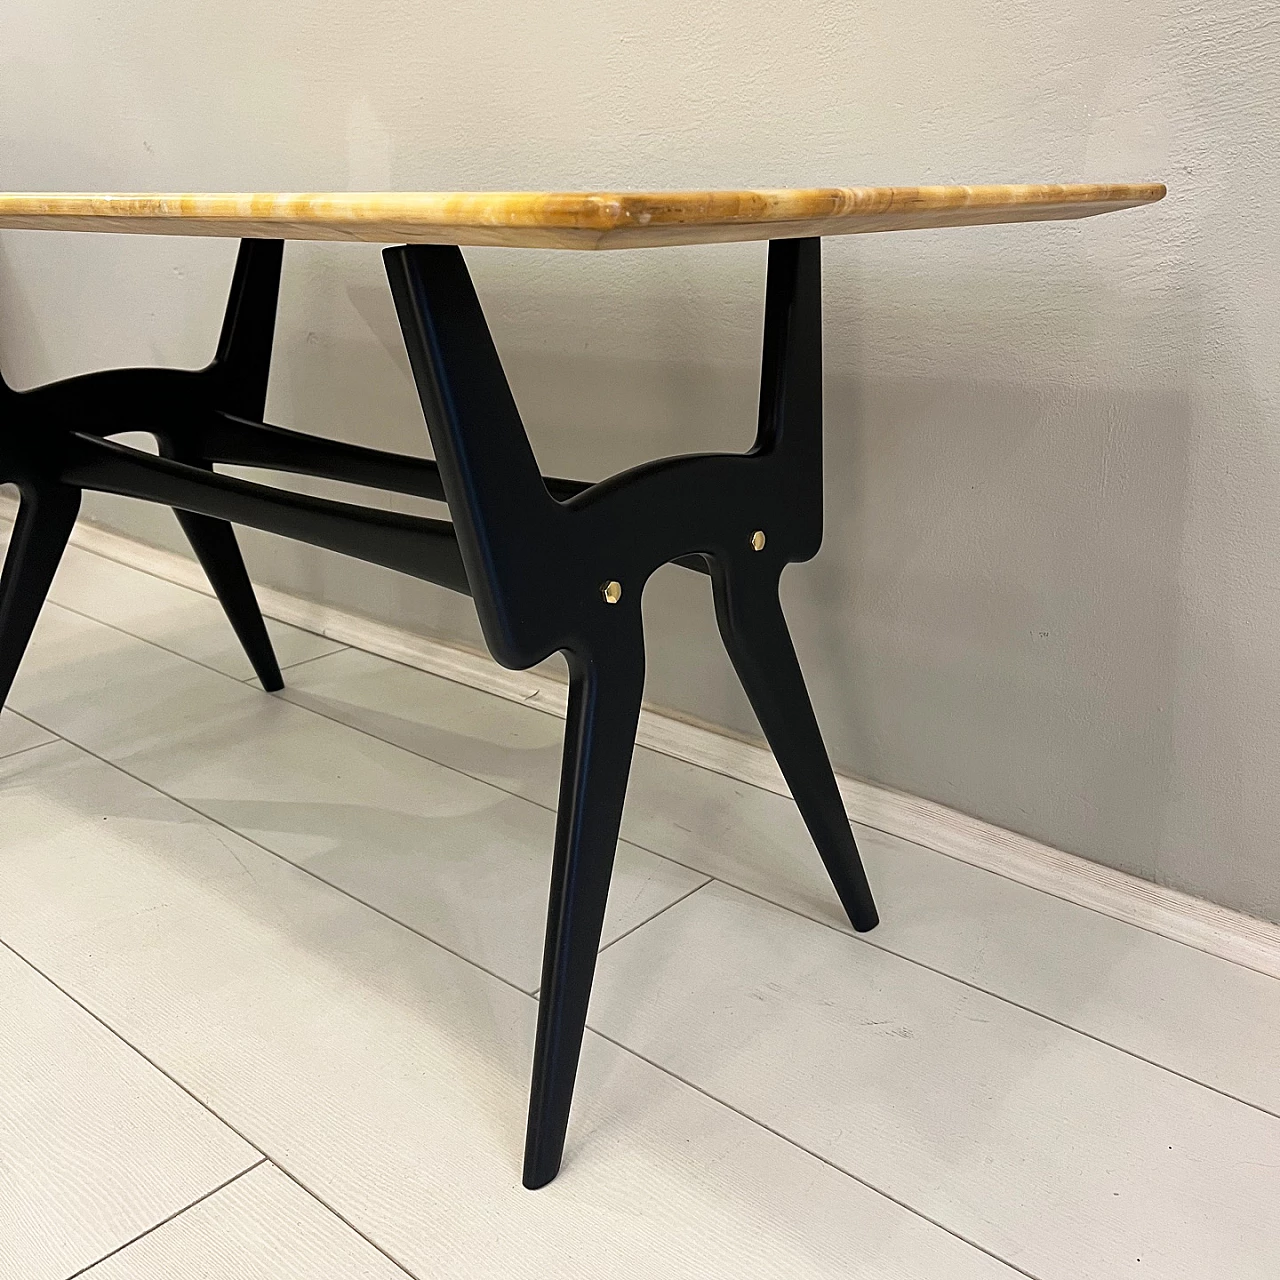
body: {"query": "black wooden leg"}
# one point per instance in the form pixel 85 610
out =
pixel 46 517
pixel 242 364
pixel 214 542
pixel 604 708
pixel 755 633
pixel 237 381
pixel 563 569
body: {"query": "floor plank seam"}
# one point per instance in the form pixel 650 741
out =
pixel 251 682
pixel 257 1164
pixel 266 1157
pixel 111 626
pixel 35 746
pixel 475 777
pixel 1168 913
pixel 1268 971
pixel 416 933
pixel 817 1155
pixel 866 939
pixel 840 960
pixel 661 911
pixel 86 534
pixel 870 940
pixel 346 1222
pixel 617 1043
pixel 306 871
pixel 658 853
pixel 287 666
pixel 124 1040
pixel 647 920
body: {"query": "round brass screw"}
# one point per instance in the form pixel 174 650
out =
pixel 612 592
pixel 757 540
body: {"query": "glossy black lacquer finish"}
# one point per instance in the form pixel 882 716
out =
pixel 53 445
pixel 553 565
pixel 539 569
pixel 46 515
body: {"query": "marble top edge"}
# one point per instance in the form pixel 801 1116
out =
pixel 571 218
pixel 609 207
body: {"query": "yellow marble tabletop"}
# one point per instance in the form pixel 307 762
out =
pixel 567 220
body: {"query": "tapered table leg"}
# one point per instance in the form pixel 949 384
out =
pixel 555 569
pixel 46 516
pixel 214 542
pixel 755 634
pixel 604 707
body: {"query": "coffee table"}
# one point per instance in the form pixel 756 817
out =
pixel 553 565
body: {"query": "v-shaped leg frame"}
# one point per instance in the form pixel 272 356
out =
pixel 237 381
pixel 553 565
pixel 173 406
pixel 55 442
pixel 556 568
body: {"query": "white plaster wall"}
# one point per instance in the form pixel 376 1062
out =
pixel 1050 590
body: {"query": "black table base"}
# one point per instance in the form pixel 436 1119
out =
pixel 552 565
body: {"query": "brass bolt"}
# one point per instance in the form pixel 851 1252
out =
pixel 612 592
pixel 757 540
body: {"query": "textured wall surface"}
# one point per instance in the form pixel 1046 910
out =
pixel 1050 589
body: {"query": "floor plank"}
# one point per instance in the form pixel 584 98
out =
pixel 1056 1153
pixel 1194 1013
pixel 391 1077
pixel 171 616
pixel 95 1144
pixel 494 739
pixel 17 734
pixel 262 1226
pixel 1048 1148
pixel 464 863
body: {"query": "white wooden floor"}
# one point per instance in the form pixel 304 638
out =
pixel 266 1007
